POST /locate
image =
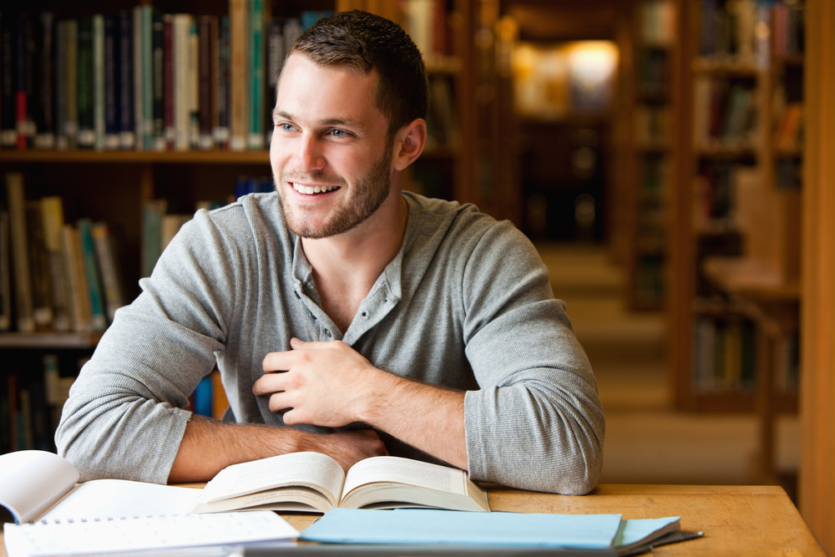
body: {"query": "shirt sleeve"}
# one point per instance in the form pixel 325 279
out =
pixel 124 417
pixel 536 422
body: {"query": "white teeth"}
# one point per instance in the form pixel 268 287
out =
pixel 310 190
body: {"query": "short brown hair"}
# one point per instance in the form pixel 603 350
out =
pixel 368 42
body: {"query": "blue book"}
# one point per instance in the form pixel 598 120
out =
pixel 203 397
pixel 91 271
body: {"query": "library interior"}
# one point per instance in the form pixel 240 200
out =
pixel 668 159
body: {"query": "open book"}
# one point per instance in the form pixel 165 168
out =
pixel 54 515
pixel 315 482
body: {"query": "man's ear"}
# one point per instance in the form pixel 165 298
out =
pixel 409 143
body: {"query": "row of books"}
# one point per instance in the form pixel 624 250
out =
pixel 209 398
pixel 725 354
pixel 55 276
pixel 723 191
pixel 31 405
pixel 652 125
pixel 789 29
pixel 658 22
pixel 142 79
pixel 427 23
pixel 654 73
pixel 729 31
pixel 724 113
pixel 789 127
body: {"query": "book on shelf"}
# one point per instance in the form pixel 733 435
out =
pixel 108 260
pixel 729 31
pixel 152 212
pixel 52 217
pixel 209 397
pixel 5 272
pixel 8 92
pixel 24 317
pixel 315 482
pixel 724 352
pixel 71 122
pixel 256 52
pixel 238 84
pixel 788 28
pixel 658 22
pixel 44 115
pixel 98 82
pixel 91 270
pixel 39 270
pixel 53 514
pixel 82 319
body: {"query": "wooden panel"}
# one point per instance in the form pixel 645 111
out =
pixel 817 481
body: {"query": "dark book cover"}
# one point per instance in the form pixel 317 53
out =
pixel 158 69
pixel 204 81
pixel 168 75
pixel 275 61
pixel 43 108
pixel 86 121
pixel 8 83
pixel 221 132
pixel 112 122
pixel 23 82
pixel 60 97
pixel 127 131
pixel 39 268
pixel 42 434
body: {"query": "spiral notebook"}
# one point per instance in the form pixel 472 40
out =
pixel 54 515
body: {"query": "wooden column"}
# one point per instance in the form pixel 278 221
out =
pixel 817 405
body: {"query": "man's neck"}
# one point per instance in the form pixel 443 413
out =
pixel 346 266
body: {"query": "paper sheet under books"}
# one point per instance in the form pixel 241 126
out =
pixel 417 526
pixel 205 535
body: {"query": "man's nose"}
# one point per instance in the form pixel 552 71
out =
pixel 309 156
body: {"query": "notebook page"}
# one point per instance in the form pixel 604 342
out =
pixel 31 481
pixel 121 499
pixel 145 534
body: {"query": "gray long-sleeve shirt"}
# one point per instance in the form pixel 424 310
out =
pixel 466 304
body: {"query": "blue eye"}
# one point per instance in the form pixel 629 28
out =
pixel 339 133
pixel 286 127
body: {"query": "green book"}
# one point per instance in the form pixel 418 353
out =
pixel 85 76
pixel 91 270
pixel 256 58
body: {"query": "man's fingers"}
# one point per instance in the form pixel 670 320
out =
pixel 278 361
pixel 270 383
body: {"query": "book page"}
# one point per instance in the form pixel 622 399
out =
pixel 104 499
pixel 32 481
pixel 285 470
pixel 405 471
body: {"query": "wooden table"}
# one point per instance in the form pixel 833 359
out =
pixel 737 520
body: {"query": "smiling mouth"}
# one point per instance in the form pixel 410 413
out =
pixel 312 190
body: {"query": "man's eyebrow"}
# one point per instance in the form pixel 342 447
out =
pixel 323 122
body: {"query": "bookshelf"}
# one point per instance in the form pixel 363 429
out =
pixel 116 186
pixel 735 228
pixel 651 129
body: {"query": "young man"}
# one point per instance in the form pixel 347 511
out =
pixel 345 316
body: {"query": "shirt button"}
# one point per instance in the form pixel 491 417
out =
pixel 365 314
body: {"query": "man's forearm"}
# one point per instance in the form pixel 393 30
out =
pixel 427 417
pixel 209 446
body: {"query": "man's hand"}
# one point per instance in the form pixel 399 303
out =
pixel 323 383
pixel 347 447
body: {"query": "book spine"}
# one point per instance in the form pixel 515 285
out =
pixel 21 99
pixel 238 78
pixel 147 78
pixel 12 390
pixel 91 269
pixel 52 381
pixel 138 114
pixel 86 117
pixel 52 217
pixel 203 403
pixel 127 131
pixel 219 400
pixel 214 65
pixel 20 252
pixel 170 124
pixel 181 105
pixel 275 61
pixel 61 141
pixel 5 273
pixel 193 65
pixel 256 60
pixel 221 131
pixel 112 82
pixel 71 125
pixel 39 417
pixel 8 87
pixel 205 80
pixel 152 213
pixel 32 60
pixel 38 268
pixel 111 281
pixel 158 48
pixel 98 81
pixel 45 122
pixel 79 300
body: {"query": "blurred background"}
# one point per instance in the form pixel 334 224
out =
pixel 655 151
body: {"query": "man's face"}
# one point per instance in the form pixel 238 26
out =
pixel 330 155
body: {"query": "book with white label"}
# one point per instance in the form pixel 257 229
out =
pixel 315 482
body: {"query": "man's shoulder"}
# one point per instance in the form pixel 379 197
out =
pixel 247 216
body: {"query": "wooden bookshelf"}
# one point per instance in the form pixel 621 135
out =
pixel 113 185
pixel 648 111
pixel 760 224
